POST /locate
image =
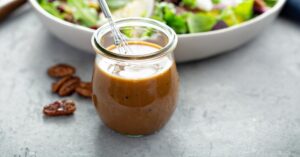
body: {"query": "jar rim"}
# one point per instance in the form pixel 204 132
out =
pixel 135 21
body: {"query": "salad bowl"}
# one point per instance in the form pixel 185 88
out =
pixel 190 46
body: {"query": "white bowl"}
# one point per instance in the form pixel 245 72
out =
pixel 190 46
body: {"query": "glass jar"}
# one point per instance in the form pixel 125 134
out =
pixel 135 93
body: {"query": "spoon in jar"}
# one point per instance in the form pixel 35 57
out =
pixel 119 39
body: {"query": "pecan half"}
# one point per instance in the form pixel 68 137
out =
pixel 61 70
pixel 60 108
pixel 57 85
pixel 69 86
pixel 85 89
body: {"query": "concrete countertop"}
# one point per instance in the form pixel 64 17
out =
pixel 245 103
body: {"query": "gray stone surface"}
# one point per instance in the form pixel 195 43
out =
pixel 241 104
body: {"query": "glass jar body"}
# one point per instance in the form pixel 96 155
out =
pixel 133 105
pixel 136 93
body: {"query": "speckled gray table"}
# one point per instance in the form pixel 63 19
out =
pixel 242 104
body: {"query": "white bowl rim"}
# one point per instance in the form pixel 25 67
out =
pixel 274 9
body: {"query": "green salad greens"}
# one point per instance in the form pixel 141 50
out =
pixel 184 16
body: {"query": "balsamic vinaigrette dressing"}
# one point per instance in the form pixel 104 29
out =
pixel 135 100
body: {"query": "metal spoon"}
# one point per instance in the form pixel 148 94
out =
pixel 119 39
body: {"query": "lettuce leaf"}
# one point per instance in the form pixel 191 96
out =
pixel 216 1
pixel 229 17
pixel 200 22
pixel 189 3
pixel 165 12
pixel 238 14
pixel 244 11
pixel 51 8
pixel 116 4
pixel 270 3
pixel 83 13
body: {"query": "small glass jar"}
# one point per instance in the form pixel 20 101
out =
pixel 135 93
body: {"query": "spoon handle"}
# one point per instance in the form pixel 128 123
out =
pixel 8 6
pixel 105 9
